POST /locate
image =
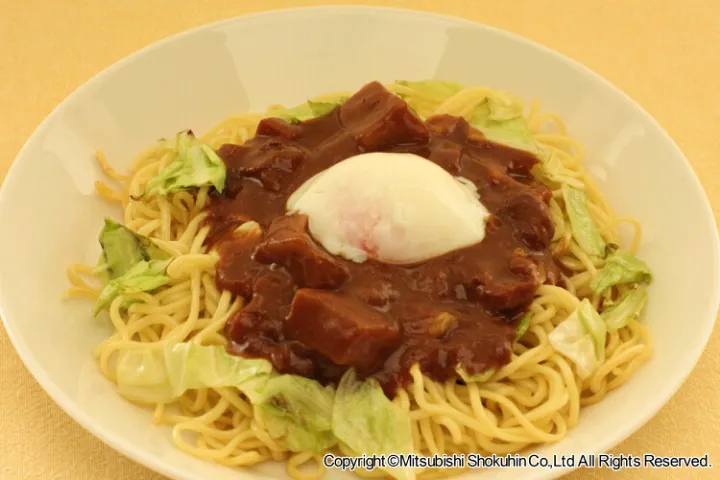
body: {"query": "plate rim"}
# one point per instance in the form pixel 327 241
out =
pixel 163 467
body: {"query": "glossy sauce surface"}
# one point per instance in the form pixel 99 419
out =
pixel 316 315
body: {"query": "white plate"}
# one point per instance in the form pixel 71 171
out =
pixel 50 215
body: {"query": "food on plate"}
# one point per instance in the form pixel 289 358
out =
pixel 413 267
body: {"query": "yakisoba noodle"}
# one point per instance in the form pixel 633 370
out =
pixel 534 399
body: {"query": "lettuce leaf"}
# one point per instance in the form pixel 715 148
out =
pixel 368 422
pixel 523 326
pixel 628 307
pixel 581 338
pixel 144 276
pixel 583 228
pixel 319 109
pixel 163 374
pixel 308 110
pixel 594 325
pixel 122 249
pixel 298 411
pixel 426 95
pixel 620 267
pixel 194 166
pixel 500 119
pixel 435 90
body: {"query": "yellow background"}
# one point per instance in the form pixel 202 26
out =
pixel 663 53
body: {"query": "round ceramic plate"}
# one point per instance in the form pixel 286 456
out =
pixel 50 214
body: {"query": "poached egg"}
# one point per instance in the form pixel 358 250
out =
pixel 396 208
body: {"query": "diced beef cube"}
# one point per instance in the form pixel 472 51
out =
pixel 448 125
pixel 257 329
pixel 277 127
pixel 273 163
pixel 236 271
pixel 263 316
pixel 335 148
pixel 447 154
pixel 288 244
pixel 377 118
pixel 503 284
pixel 522 264
pixel 457 130
pixel 491 180
pixel 530 218
pixel 343 329
pixel 504 294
